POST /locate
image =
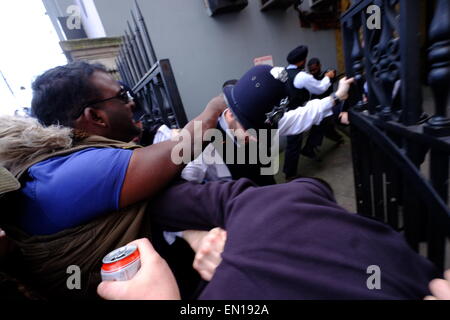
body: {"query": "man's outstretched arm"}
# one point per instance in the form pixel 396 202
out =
pixel 151 168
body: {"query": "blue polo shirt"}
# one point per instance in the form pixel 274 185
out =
pixel 68 191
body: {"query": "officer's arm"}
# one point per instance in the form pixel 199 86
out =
pixel 151 168
pixel 303 118
pixel 308 82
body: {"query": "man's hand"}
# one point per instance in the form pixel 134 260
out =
pixel 440 288
pixel 208 247
pixel 344 87
pixel 209 253
pixel 330 74
pixel 343 118
pixel 154 280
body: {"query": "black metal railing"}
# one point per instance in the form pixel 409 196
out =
pixel 400 154
pixel 152 80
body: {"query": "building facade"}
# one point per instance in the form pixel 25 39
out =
pixel 204 50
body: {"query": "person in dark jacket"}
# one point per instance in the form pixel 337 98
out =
pixel 283 244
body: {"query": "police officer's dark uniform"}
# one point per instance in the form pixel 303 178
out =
pixel 297 97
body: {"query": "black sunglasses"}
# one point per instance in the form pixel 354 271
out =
pixel 123 95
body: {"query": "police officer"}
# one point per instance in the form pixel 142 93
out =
pixel 327 126
pixel 249 101
pixel 301 86
pixel 258 101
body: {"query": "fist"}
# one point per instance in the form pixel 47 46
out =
pixel 344 87
pixel 331 74
pixel 209 254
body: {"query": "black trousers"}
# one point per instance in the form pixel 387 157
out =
pixel 315 137
pixel 292 154
pixel 316 134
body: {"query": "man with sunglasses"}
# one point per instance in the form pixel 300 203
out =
pixel 84 186
pixel 117 109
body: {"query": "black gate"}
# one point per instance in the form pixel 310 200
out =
pixel 152 80
pixel 401 154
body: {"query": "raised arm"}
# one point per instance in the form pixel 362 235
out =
pixel 314 86
pixel 303 118
pixel 151 168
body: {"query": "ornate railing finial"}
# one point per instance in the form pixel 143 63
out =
pixel 358 62
pixel 439 76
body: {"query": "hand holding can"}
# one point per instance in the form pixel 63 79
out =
pixel 153 281
pixel 121 264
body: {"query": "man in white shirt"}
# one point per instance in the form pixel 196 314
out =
pixel 301 86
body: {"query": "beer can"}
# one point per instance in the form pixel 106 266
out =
pixel 121 264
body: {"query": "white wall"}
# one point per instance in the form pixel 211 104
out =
pixel 91 20
pixel 89 16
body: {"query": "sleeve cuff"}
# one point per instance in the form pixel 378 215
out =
pixel 170 237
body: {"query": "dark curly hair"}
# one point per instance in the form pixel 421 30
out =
pixel 313 61
pixel 59 94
